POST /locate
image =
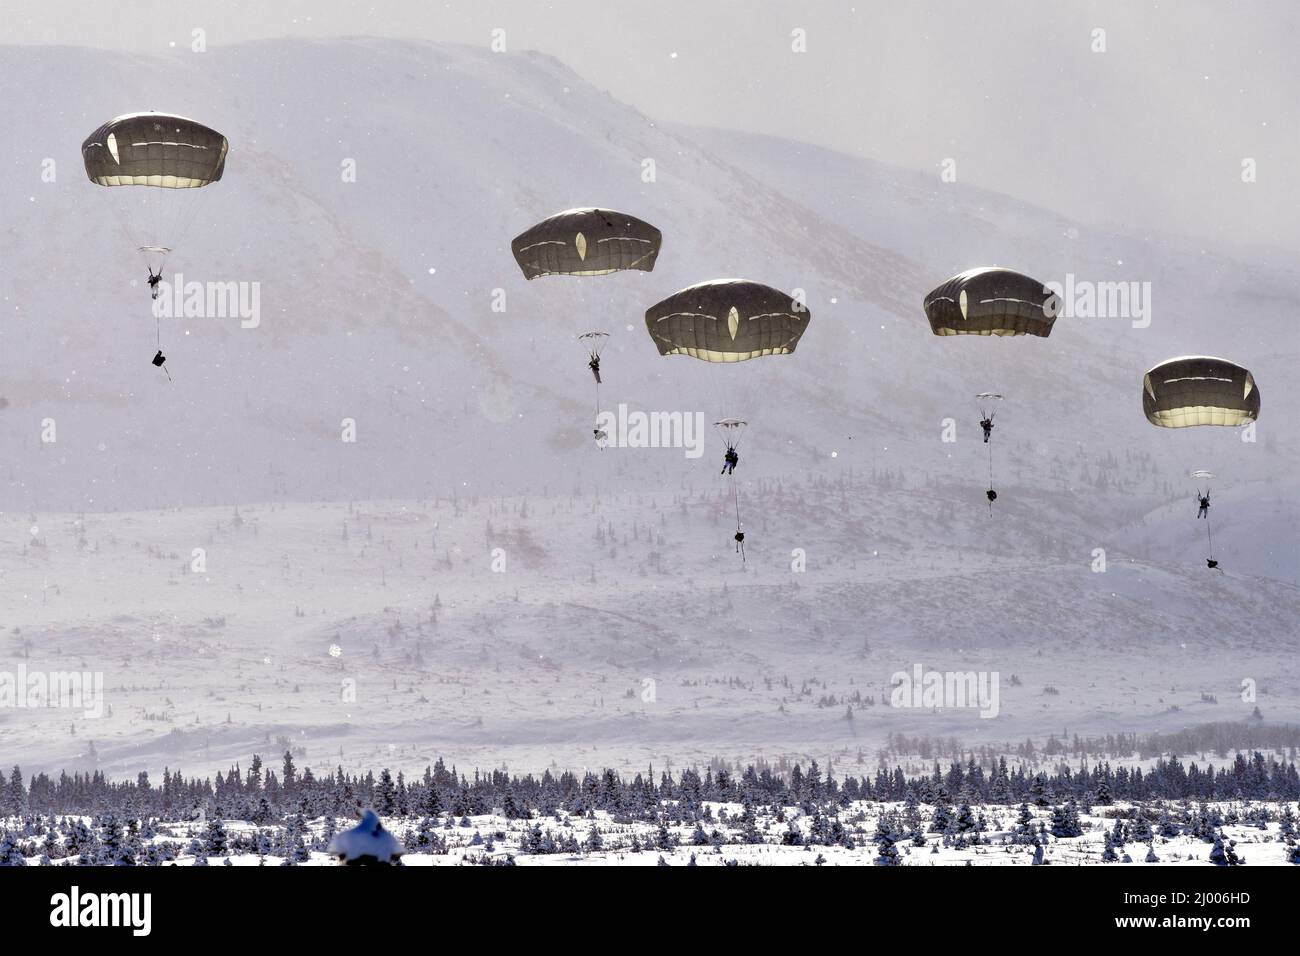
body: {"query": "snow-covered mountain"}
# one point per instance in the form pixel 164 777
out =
pixel 377 295
pixel 377 305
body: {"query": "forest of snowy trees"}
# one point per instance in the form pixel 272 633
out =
pixel 263 796
pixel 979 807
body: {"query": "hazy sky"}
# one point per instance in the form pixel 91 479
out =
pixel 1152 132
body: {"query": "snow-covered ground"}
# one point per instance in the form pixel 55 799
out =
pixel 781 837
pixel 619 631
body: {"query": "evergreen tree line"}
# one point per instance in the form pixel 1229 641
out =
pixel 261 796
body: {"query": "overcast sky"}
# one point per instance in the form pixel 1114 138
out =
pixel 1151 133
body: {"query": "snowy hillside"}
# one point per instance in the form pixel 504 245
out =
pixel 623 628
pixel 377 295
pixel 619 631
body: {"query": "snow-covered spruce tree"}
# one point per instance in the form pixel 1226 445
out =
pixel 1224 854
pixel 1024 832
pixel 1108 855
pixel 1038 791
pixel 886 851
pixel 216 838
pixel 942 820
pixel 1141 829
pixel 698 836
pixel 1064 824
pixel 10 855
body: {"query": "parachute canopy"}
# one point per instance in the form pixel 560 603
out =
pixel 727 320
pixel 1202 475
pixel 154 149
pixel 989 301
pixel 1199 390
pixel 587 242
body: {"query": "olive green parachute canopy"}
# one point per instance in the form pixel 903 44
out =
pixel 1199 390
pixel 727 320
pixel 154 149
pixel 587 242
pixel 989 301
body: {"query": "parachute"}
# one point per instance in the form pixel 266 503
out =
pixel 1196 390
pixel 170 156
pixel 991 301
pixel 727 321
pixel 1199 390
pixel 587 242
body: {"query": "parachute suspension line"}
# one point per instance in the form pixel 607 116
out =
pixel 158 343
pixel 187 215
pixel 991 492
pixel 735 498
